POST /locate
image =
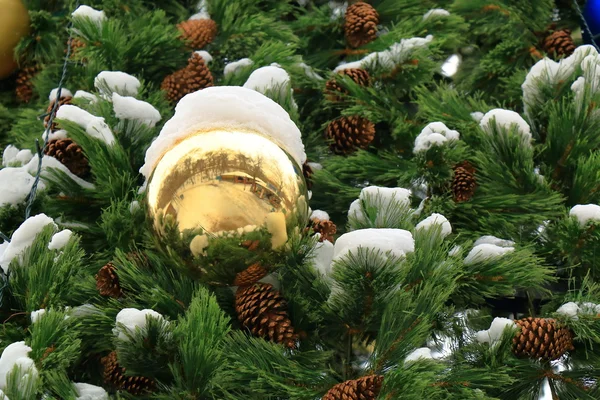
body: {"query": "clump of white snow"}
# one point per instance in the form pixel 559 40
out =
pixel 23 238
pixel 494 334
pixel 486 252
pixel 236 107
pixel 60 239
pixel 436 12
pixel 13 156
pixel 94 126
pixel 82 94
pixel 63 93
pixel 52 163
pixel 488 239
pixel 82 11
pixel 396 242
pixel 422 353
pixel 320 215
pixel 85 391
pixel 127 107
pixel 570 310
pixel 128 319
pixel 584 213
pixel 235 66
pixel 37 314
pixel 434 134
pixel 573 310
pixel 108 82
pixel 435 219
pixel 477 116
pixel 16 185
pixel 204 55
pixel 308 71
pixel 16 355
pixel 506 119
pixel 55 135
pixel 385 200
pixel 202 9
pixel 338 9
pixel 270 77
pixel 323 256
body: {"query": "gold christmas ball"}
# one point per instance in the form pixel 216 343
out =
pixel 14 24
pixel 223 182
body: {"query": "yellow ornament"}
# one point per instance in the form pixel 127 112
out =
pixel 14 24
pixel 227 181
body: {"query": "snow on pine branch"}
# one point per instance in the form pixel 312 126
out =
pixel 434 134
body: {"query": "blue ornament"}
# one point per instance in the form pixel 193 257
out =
pixel 591 13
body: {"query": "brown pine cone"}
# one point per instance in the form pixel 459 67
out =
pixel 76 46
pixel 350 133
pixel 326 228
pixel 307 171
pixel 198 32
pixel 559 44
pixel 464 182
pixel 541 338
pixel 61 102
pixel 359 76
pixel 365 388
pixel 107 281
pixel 24 82
pixel 70 155
pixel 361 22
pixel 114 375
pixel 193 77
pixel 263 311
pixel 250 275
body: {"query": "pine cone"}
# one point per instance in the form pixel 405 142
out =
pixel 307 171
pixel 193 77
pixel 365 388
pixel 61 102
pixel 107 282
pixel 250 275
pixel 76 46
pixel 559 44
pixel 114 375
pixel 70 155
pixel 350 133
pixel 263 311
pixel 541 338
pixel 198 32
pixel 325 227
pixel 24 79
pixel 359 76
pixel 361 24
pixel 464 182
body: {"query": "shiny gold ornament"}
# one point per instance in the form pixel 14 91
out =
pixel 14 24
pixel 226 181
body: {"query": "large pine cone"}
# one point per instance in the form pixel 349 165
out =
pixel 326 228
pixel 61 102
pixel 350 133
pixel 193 77
pixel 559 44
pixel 114 375
pixel 464 182
pixel 365 388
pixel 107 282
pixel 250 275
pixel 24 89
pixel 198 32
pixel 70 155
pixel 541 338
pixel 361 24
pixel 263 311
pixel 359 76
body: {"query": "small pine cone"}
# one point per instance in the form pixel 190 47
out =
pixel 193 77
pixel 359 76
pixel 559 44
pixel 198 32
pixel 263 311
pixel 250 275
pixel 114 375
pixel 541 338
pixel 365 388
pixel 70 155
pixel 464 182
pixel 361 22
pixel 61 102
pixel 307 171
pixel 107 282
pixel 325 227
pixel 24 81
pixel 76 46
pixel 350 133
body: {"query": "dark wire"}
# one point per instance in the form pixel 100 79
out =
pixel 585 24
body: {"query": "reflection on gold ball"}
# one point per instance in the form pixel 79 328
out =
pixel 224 181
pixel 14 24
